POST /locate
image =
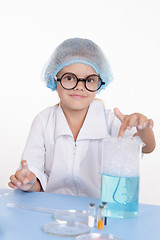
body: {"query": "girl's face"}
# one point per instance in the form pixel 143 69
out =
pixel 78 98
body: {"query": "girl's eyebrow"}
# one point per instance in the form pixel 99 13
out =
pixel 63 72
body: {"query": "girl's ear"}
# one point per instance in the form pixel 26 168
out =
pixel 55 79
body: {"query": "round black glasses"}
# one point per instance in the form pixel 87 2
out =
pixel 69 81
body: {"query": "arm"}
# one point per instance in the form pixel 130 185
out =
pixel 35 152
pixel 25 180
pixel 144 128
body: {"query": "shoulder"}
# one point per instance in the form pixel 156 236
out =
pixel 98 103
pixel 44 116
pixel 112 122
pixel 47 111
pixel 111 117
pixel 99 106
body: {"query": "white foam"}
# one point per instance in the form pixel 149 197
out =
pixel 120 156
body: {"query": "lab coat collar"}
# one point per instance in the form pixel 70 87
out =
pixel 94 126
pixel 61 125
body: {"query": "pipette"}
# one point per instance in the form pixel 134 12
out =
pixel 39 209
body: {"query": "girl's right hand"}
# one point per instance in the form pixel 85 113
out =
pixel 24 179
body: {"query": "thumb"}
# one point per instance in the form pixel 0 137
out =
pixel 24 164
pixel 25 169
pixel 118 114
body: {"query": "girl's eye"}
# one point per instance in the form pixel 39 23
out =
pixel 90 80
pixel 69 78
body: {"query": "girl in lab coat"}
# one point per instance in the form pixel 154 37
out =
pixel 64 149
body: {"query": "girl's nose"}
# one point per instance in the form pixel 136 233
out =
pixel 80 86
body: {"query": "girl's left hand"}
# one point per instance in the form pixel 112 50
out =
pixel 134 120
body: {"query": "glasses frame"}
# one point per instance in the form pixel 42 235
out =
pixel 80 80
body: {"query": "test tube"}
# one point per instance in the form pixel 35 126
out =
pixel 91 215
pixel 100 218
pixel 105 212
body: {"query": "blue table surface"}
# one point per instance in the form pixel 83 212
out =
pixel 24 224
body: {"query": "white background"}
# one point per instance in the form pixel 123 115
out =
pixel 128 31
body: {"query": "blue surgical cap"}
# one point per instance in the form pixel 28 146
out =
pixel 76 50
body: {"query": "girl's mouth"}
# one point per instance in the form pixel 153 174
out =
pixel 77 96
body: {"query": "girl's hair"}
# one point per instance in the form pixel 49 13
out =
pixel 76 50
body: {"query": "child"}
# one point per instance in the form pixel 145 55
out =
pixel 63 151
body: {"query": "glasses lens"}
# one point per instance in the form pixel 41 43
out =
pixel 93 82
pixel 69 81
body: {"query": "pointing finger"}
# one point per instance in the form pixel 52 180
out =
pixel 118 114
pixel 123 128
pixel 150 123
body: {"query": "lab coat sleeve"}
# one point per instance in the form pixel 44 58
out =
pixel 34 152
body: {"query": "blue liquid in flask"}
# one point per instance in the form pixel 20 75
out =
pixel 121 195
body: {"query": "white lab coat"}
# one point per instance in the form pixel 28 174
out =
pixel 62 165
